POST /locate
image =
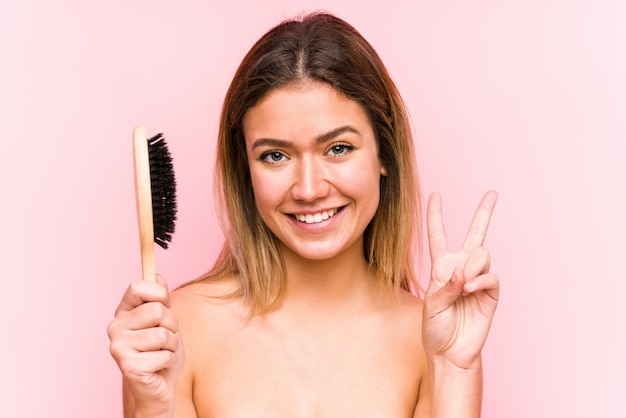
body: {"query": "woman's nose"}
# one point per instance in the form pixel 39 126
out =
pixel 310 182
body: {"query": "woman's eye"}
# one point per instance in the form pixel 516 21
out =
pixel 340 149
pixel 273 157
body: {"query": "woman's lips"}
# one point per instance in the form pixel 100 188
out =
pixel 317 217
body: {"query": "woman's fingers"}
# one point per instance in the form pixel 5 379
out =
pixel 150 314
pixel 489 283
pixel 480 222
pixel 142 291
pixel 147 346
pixel 146 363
pixel 476 273
pixel 143 322
pixel 472 278
pixel 477 263
pixel 447 294
pixel 152 339
pixel 127 338
pixel 135 344
pixel 437 242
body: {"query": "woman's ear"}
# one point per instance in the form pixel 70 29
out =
pixel 383 170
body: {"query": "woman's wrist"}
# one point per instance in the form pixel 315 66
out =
pixel 456 390
pixel 444 365
pixel 154 411
pixel 153 414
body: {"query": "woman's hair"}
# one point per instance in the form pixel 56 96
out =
pixel 314 48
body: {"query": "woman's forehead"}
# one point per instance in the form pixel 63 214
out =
pixel 310 110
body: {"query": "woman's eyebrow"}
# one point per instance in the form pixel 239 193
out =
pixel 335 133
pixel 281 143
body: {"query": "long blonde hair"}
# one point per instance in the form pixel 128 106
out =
pixel 323 48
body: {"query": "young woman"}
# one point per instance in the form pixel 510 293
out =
pixel 307 312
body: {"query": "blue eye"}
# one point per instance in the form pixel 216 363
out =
pixel 340 149
pixel 273 157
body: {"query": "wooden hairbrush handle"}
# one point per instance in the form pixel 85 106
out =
pixel 143 193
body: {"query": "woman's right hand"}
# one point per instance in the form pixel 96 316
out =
pixel 147 347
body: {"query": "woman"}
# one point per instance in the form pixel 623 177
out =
pixel 307 311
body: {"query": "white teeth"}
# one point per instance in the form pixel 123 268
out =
pixel 317 217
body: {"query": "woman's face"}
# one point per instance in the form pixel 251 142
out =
pixel 315 170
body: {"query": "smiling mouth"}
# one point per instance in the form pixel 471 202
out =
pixel 314 218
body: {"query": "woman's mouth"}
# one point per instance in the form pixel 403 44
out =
pixel 313 218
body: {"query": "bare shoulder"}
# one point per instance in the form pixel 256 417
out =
pixel 409 319
pixel 206 309
pixel 410 301
pixel 406 315
pixel 407 311
pixel 200 292
pixel 197 294
pixel 400 321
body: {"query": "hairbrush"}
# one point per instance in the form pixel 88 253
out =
pixel 155 189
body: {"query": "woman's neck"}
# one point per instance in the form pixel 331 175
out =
pixel 342 283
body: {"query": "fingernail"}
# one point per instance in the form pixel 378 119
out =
pixel 469 287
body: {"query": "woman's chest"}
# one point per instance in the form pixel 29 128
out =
pixel 359 370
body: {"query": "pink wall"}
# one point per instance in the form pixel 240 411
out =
pixel 528 97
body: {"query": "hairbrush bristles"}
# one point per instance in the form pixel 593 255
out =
pixel 163 185
pixel 155 190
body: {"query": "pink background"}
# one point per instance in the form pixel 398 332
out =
pixel 527 97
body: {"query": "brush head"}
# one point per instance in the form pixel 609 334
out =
pixel 163 185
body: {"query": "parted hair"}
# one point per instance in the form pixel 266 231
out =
pixel 322 48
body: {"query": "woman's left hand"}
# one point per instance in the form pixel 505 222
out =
pixel 463 294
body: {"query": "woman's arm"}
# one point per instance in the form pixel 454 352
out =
pixel 459 306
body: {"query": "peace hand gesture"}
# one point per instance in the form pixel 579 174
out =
pixel 462 295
